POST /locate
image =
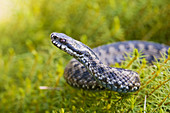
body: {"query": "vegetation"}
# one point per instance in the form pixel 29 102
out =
pixel 28 60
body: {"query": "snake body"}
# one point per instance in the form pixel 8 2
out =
pixel 90 68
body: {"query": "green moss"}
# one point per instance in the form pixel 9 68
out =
pixel 28 60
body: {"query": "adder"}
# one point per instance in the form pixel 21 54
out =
pixel 90 67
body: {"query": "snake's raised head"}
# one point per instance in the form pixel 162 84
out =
pixel 71 46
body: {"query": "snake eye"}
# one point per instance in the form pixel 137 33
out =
pixel 54 37
pixel 63 40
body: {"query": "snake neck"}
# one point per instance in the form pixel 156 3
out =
pixel 92 64
pixel 95 67
pixel 110 77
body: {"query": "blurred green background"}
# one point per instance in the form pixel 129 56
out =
pixel 29 60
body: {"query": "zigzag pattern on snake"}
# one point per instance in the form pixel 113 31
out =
pixel 90 68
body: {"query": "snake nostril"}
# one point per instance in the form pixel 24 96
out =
pixel 54 37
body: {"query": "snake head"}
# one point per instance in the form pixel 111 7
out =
pixel 71 46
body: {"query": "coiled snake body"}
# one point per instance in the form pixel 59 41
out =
pixel 90 70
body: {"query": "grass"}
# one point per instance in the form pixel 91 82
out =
pixel 20 90
pixel 28 60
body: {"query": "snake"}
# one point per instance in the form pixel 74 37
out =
pixel 90 68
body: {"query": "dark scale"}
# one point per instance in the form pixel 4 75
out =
pixel 93 63
pixel 112 75
pixel 76 65
pixel 127 47
pixel 116 84
pixel 101 70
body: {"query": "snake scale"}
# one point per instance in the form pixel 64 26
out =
pixel 90 68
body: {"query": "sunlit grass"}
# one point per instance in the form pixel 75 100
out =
pixel 6 10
